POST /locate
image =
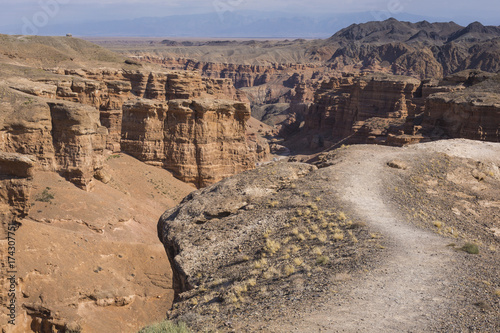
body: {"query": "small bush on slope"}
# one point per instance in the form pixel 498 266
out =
pixel 166 327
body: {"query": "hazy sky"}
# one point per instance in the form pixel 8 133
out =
pixel 59 11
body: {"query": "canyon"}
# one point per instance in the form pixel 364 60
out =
pixel 245 148
pixel 110 131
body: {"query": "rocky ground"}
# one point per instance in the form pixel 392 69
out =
pixel 349 247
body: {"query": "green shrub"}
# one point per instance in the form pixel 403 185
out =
pixel 470 248
pixel 166 327
pixel 46 196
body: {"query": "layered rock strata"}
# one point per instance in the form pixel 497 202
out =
pixel 472 116
pixel 16 173
pixel 200 141
pixel 346 108
pixel 396 110
pixel 68 130
pixel 16 176
pixel 65 137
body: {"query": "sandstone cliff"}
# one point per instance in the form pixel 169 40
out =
pixel 16 174
pixel 200 141
pixel 358 108
pixel 65 126
pixel 65 137
pixel 473 116
pixel 396 110
pixel 97 96
pixel 16 178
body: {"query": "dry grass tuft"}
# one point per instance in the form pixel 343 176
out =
pixel 322 260
pixel 272 246
pixel 298 261
pixel 289 270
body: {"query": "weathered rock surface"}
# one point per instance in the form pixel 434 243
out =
pixel 98 97
pixel 16 174
pixel 16 178
pixel 200 141
pixel 64 137
pixel 272 249
pixel 361 108
pixel 466 115
pixel 397 110
pixel 108 90
pixel 79 141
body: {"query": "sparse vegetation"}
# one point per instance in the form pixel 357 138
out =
pixel 45 196
pixel 303 245
pixel 470 248
pixel 272 246
pixel 166 327
pixel 289 270
pixel 110 157
pixel 322 260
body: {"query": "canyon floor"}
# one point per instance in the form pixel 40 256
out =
pixel 124 273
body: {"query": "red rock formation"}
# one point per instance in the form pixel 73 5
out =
pixel 463 115
pixel 347 106
pixel 200 141
pixel 69 127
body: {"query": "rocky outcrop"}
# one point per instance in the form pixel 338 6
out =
pixel 16 176
pixel 473 116
pixel 78 140
pixel 200 141
pixel 108 90
pixel 242 75
pixel 75 247
pixel 16 173
pixel 361 108
pixel 397 110
pixel 255 248
pixel 65 137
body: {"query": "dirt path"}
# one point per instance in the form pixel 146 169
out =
pixel 409 289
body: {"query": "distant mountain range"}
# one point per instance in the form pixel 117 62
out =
pixel 230 24
pixel 392 30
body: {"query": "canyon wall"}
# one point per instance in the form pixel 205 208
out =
pixel 394 110
pixel 242 75
pixel 472 116
pixel 16 177
pixel 73 246
pixel 347 107
pixel 67 120
pixel 16 173
pixel 201 141
pixel 65 137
